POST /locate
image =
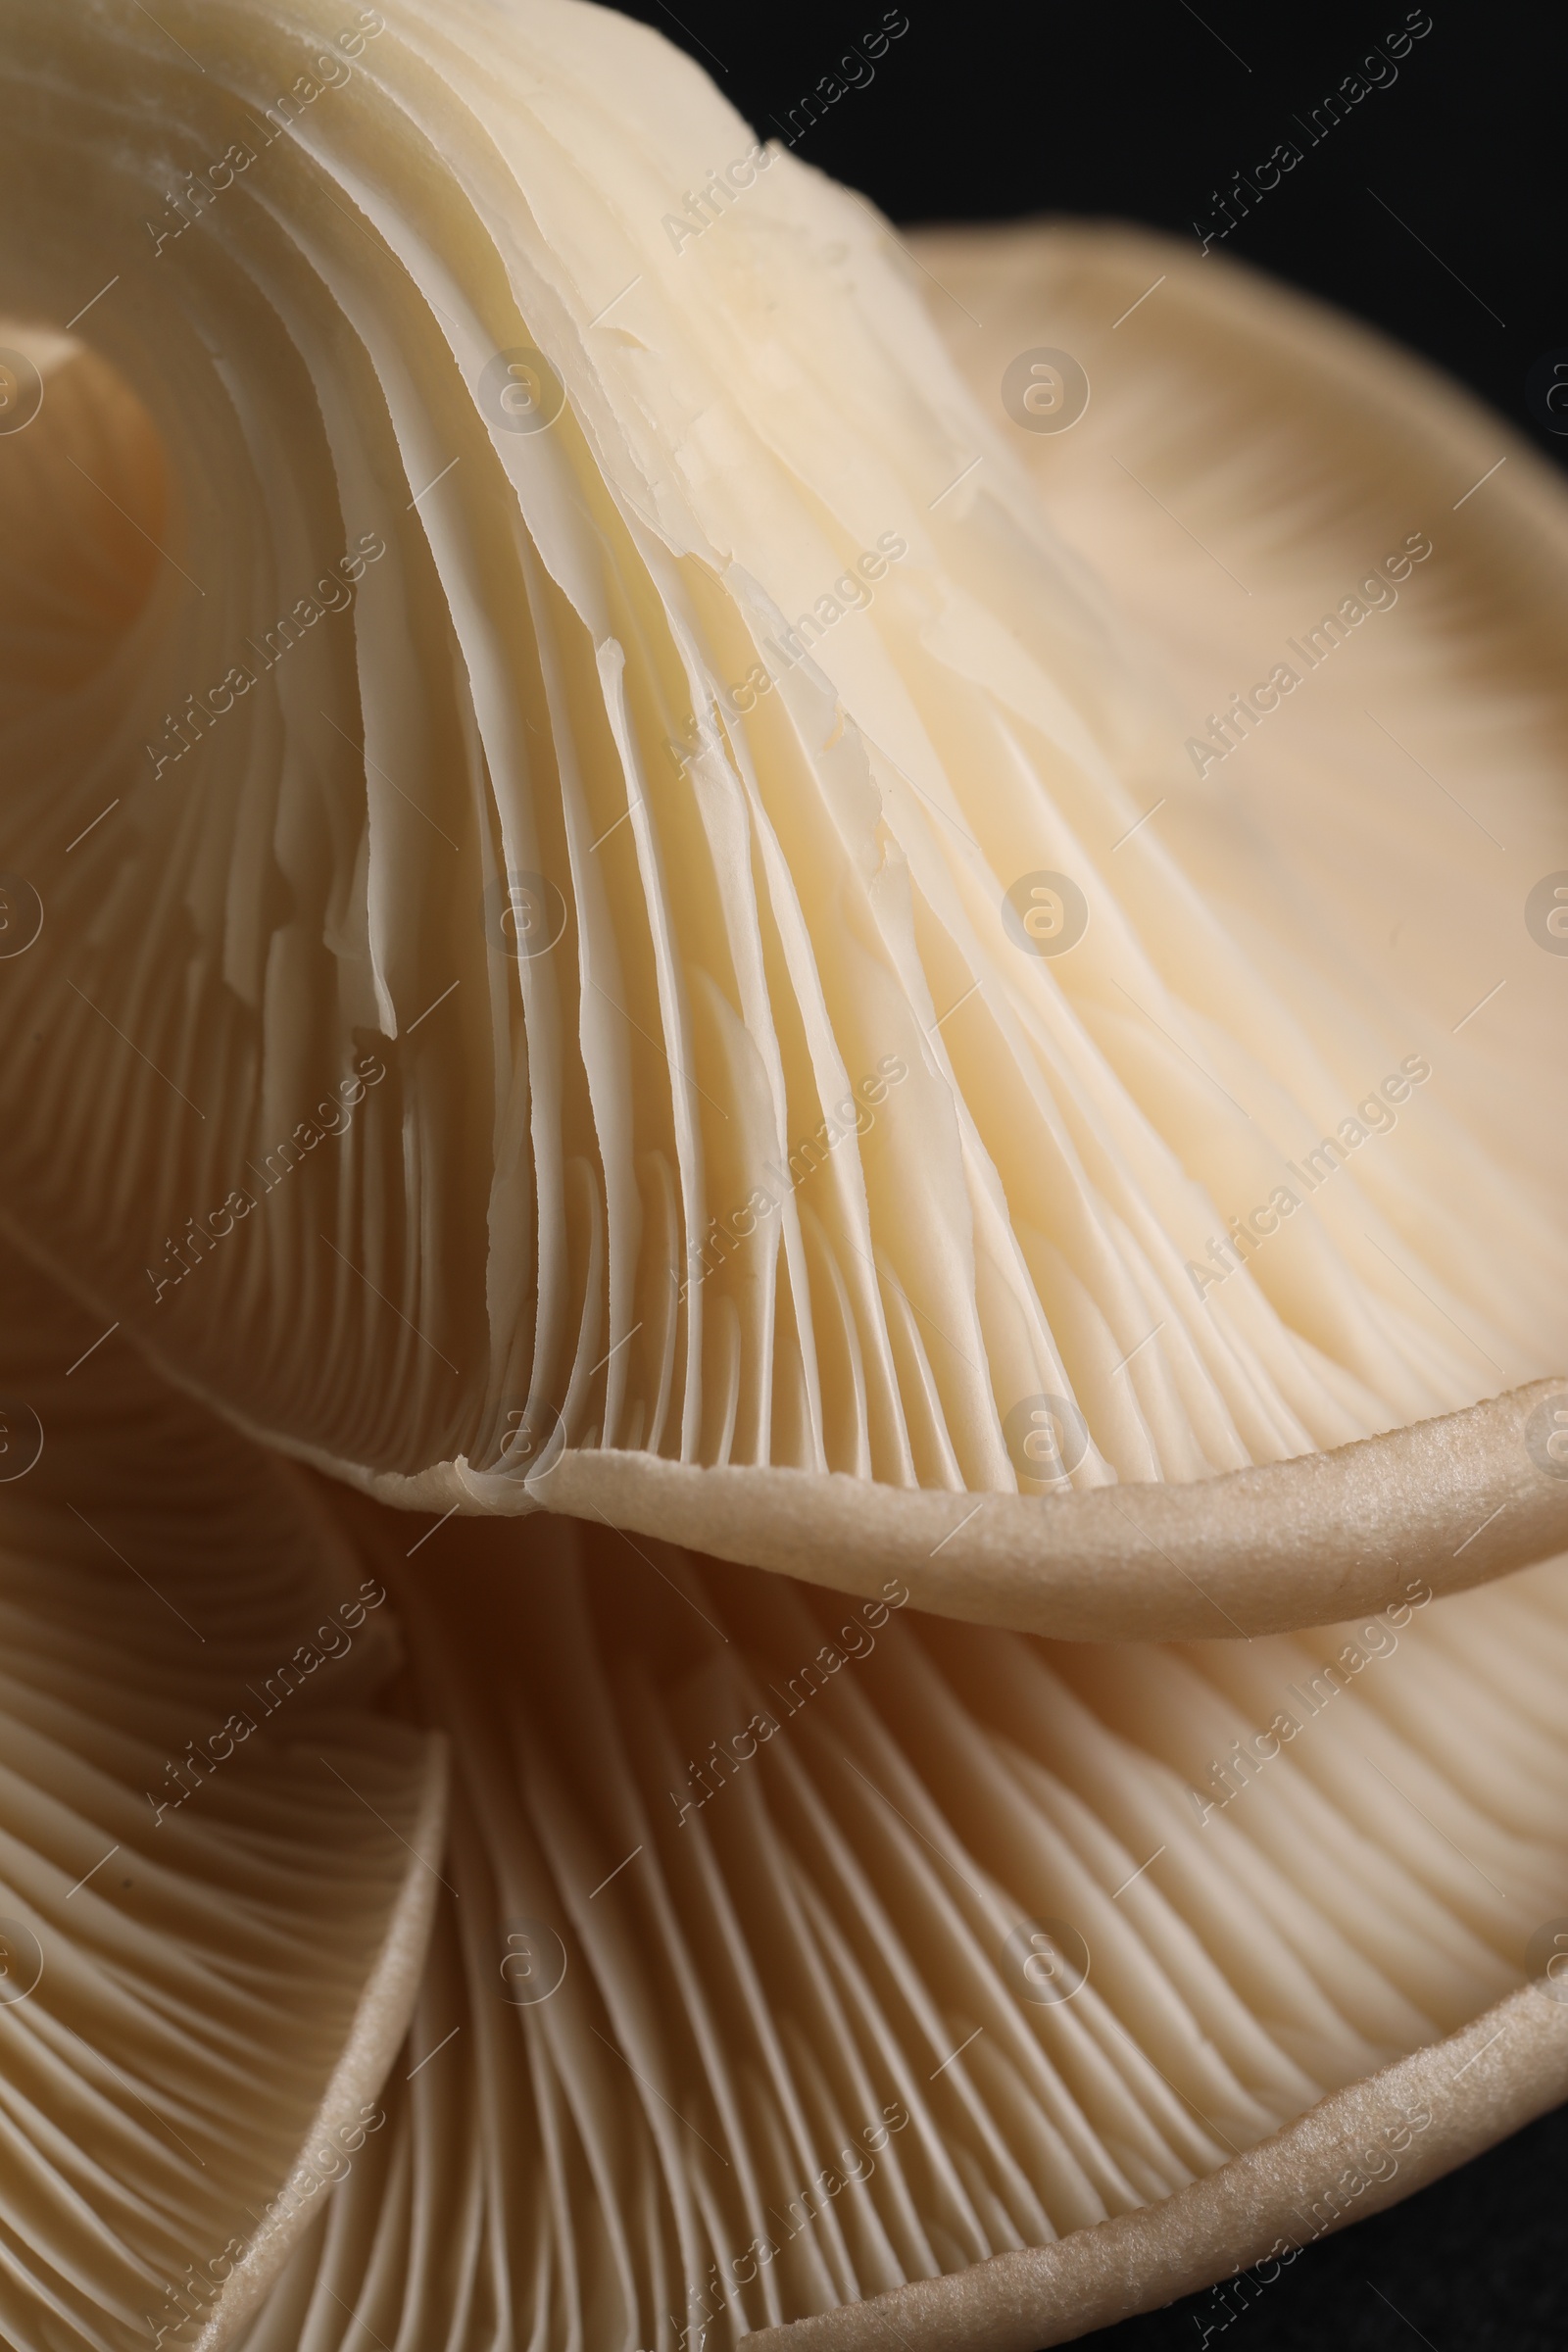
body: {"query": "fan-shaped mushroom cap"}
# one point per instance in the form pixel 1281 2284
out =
pixel 828 1969
pixel 790 1951
pixel 598 913
pixel 607 937
pixel 217 1863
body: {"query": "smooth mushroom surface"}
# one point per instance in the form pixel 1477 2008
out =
pixel 616 902
pixel 781 1154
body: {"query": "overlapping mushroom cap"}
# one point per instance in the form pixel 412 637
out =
pixel 788 1952
pixel 600 880
pixel 219 1857
pixel 601 911
pixel 819 1966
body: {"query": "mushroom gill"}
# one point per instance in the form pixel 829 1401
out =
pixel 783 1951
pixel 633 914
pixel 218 1855
pixel 802 1953
pixel 606 912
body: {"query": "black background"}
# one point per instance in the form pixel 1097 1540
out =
pixel 1141 113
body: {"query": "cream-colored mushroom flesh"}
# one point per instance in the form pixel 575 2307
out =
pixel 809 938
pixel 219 1857
pixel 789 1952
pixel 604 908
pixel 809 1951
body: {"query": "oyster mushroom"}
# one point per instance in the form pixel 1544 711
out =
pixel 591 938
pixel 601 928
pixel 839 1974
pixel 799 1962
pixel 219 1859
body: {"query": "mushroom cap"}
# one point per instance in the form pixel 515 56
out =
pixel 622 920
pixel 828 1972
pixel 630 930
pixel 880 1969
pixel 217 1858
